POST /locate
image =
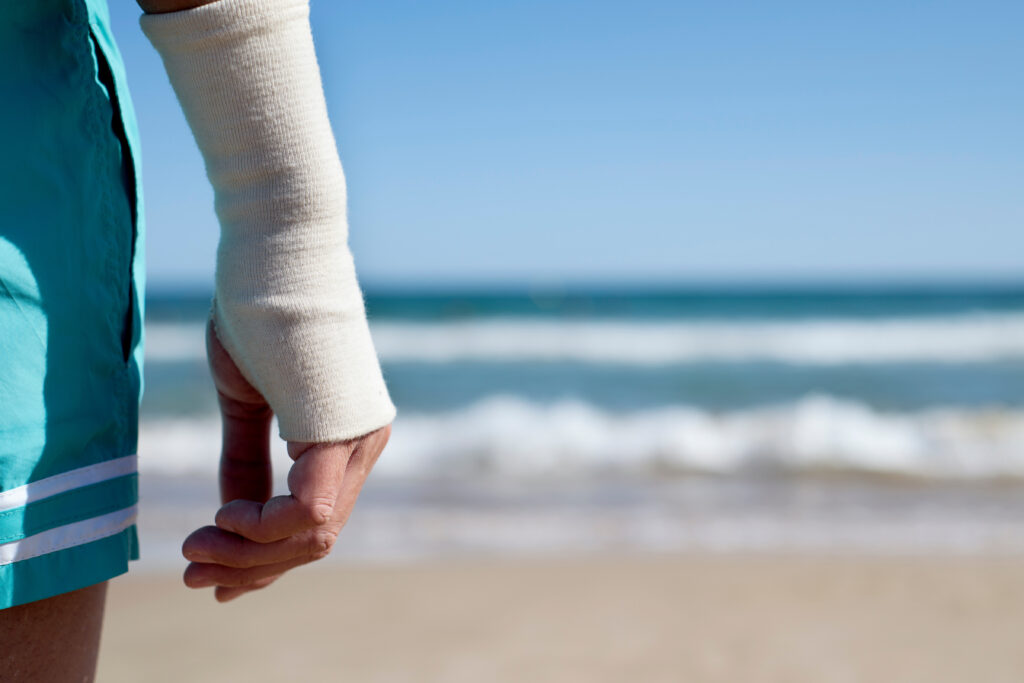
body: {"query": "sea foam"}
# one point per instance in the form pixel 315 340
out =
pixel 509 436
pixel 965 338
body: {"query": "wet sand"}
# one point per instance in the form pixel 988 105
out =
pixel 741 619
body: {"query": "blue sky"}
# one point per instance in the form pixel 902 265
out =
pixel 559 142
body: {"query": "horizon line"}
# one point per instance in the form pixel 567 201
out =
pixel 774 284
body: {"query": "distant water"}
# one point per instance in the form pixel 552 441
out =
pixel 712 401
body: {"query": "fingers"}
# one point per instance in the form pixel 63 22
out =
pixel 255 542
pixel 257 538
pixel 315 482
pixel 211 545
pixel 227 593
pixel 245 470
pixel 207 575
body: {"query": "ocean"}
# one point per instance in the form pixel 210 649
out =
pixel 601 420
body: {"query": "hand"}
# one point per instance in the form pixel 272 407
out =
pixel 257 538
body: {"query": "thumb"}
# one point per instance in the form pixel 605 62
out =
pixel 245 471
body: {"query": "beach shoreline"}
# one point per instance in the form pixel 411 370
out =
pixel 693 617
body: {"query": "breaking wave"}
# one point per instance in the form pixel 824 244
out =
pixel 513 437
pixel 968 338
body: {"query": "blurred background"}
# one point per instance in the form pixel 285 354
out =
pixel 647 279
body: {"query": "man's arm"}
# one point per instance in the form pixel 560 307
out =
pixel 288 331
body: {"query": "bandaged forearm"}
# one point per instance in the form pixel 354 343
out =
pixel 287 306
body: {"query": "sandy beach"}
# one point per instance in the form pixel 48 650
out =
pixel 742 484
pixel 687 618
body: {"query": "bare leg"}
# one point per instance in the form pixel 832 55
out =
pixel 53 640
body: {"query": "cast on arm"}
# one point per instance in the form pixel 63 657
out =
pixel 288 307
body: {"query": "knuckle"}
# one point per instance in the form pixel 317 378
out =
pixel 321 543
pixel 317 512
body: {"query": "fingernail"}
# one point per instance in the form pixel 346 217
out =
pixel 201 583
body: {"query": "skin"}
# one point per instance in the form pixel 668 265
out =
pixel 53 640
pixel 254 539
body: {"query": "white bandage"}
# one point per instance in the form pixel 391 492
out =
pixel 287 307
